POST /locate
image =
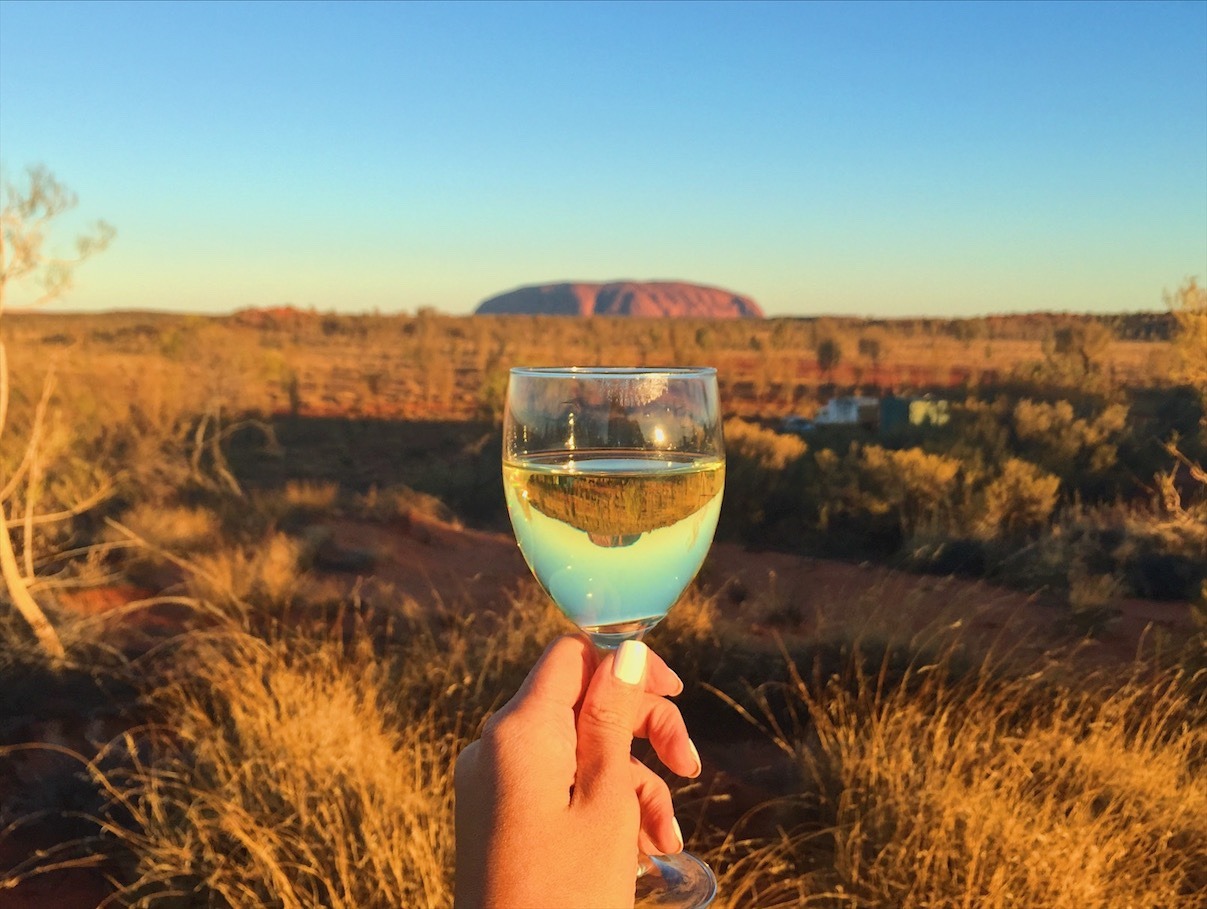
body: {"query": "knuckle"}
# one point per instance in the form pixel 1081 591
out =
pixel 654 796
pixel 665 722
pixel 607 719
pixel 499 731
pixel 501 721
pixel 666 717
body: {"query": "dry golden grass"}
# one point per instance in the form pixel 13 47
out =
pixel 312 771
pixel 311 496
pixel 316 771
pixel 176 528
pixel 693 621
pixel 294 774
pixel 270 575
pixel 985 792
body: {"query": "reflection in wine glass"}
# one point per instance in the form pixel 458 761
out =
pixel 613 480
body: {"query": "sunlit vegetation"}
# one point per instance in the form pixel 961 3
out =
pixel 306 768
pixel 226 706
pixel 931 790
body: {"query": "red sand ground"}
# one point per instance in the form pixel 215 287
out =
pixel 427 560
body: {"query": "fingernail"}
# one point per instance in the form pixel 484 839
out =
pixel 678 833
pixel 678 681
pixel 629 664
pixel 696 757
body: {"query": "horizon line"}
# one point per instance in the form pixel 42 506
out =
pixel 769 317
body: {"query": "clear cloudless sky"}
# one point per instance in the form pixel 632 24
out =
pixel 867 158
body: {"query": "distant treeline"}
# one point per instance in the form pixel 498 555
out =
pixel 1133 326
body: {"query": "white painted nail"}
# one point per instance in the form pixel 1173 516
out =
pixel 629 664
pixel 696 757
pixel 678 833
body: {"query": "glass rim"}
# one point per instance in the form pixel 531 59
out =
pixel 613 372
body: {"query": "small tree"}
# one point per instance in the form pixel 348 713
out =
pixel 1077 350
pixel 829 353
pixel 26 214
pixel 872 348
pixel 1189 308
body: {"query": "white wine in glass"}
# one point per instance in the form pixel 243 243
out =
pixel 613 479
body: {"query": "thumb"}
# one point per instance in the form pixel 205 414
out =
pixel 605 723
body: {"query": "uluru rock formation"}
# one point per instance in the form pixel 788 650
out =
pixel 623 298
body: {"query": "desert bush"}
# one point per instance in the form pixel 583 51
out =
pixel 1082 450
pixel 829 355
pixel 1018 501
pixel 767 448
pixel 409 503
pixel 492 394
pixel 305 770
pixel 1163 559
pixel 1092 598
pixel 291 508
pixel 1189 307
pixel 400 502
pixel 1076 352
pixel 763 480
pixel 777 607
pixel 977 435
pixel 1120 546
pixel 45 472
pixel 310 771
pixel 923 489
pixel 938 553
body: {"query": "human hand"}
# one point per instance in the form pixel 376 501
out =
pixel 552 808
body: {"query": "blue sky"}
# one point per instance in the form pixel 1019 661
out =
pixel 882 159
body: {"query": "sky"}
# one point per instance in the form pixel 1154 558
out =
pixel 870 159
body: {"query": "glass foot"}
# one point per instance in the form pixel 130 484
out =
pixel 675 882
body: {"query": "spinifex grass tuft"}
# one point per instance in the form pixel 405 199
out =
pixel 985 791
pixel 290 774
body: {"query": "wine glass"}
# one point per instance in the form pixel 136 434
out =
pixel 613 479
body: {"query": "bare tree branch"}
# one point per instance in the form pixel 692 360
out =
pixel 25 216
pixel 74 511
pixel 47 637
